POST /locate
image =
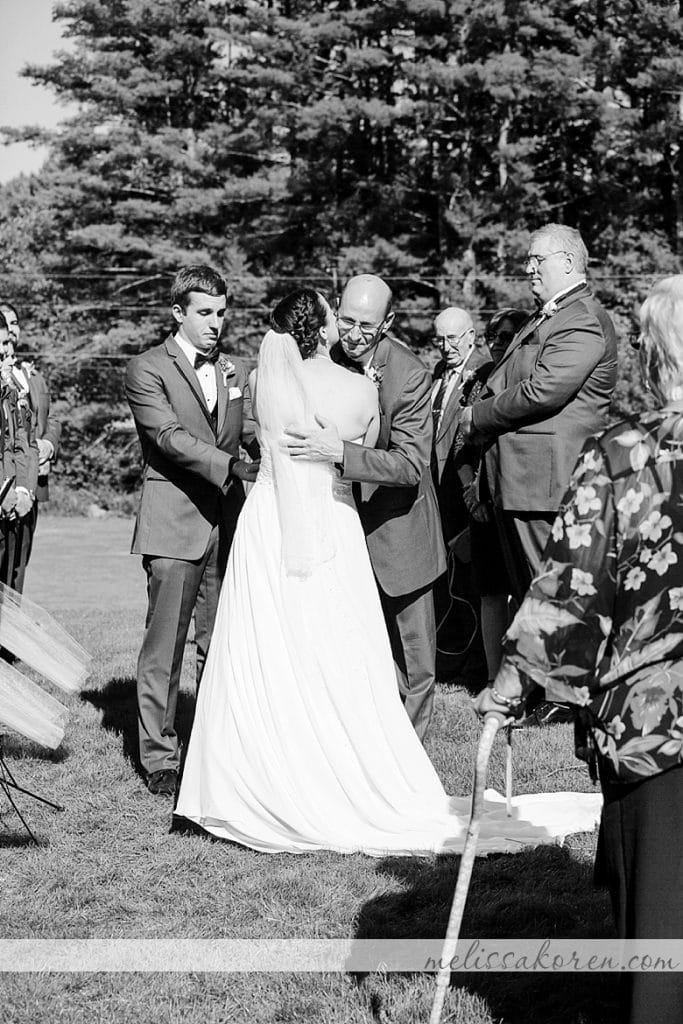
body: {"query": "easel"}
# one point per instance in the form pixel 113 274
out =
pixel 8 783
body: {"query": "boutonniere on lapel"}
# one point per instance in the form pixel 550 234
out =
pixel 374 374
pixel 28 367
pixel 227 369
pixel 549 309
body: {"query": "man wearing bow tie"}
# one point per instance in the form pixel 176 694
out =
pixel 191 409
pixel 550 391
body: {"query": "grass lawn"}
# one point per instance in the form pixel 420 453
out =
pixel 109 867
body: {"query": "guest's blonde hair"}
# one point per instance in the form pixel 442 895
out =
pixel 661 352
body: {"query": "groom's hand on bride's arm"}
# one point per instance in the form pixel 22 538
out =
pixel 321 444
pixel 243 470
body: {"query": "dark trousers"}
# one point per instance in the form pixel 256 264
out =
pixel 523 537
pixel 20 545
pixel 175 589
pixel 412 634
pixel 641 853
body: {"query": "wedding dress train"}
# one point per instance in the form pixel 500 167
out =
pixel 300 741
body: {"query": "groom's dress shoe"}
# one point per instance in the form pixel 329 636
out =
pixel 163 783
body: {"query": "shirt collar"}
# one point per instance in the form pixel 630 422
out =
pixel 188 350
pixel 565 291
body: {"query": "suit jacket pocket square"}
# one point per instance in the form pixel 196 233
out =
pixel 234 393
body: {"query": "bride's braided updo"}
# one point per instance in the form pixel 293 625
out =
pixel 301 313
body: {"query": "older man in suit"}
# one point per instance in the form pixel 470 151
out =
pixel 397 504
pixel 550 391
pixel 191 409
pixel 455 335
pixel 460 651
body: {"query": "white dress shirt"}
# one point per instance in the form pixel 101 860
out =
pixel 206 374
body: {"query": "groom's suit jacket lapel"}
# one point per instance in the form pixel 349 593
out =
pixel 183 366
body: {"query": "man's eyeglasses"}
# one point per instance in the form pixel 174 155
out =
pixel 535 259
pixel 452 339
pixel 367 330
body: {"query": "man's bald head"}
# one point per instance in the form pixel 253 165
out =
pixel 364 315
pixel 455 335
pixel 453 320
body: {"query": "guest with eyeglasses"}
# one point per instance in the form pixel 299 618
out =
pixel 460 652
pixel 550 391
pixel 396 499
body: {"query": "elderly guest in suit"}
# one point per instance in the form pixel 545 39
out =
pixel 460 652
pixel 602 628
pixel 191 408
pixel 550 391
pixel 455 335
pixel 397 504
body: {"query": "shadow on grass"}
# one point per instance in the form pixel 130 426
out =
pixel 21 749
pixel 117 700
pixel 19 840
pixel 542 893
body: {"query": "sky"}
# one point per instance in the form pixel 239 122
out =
pixel 27 33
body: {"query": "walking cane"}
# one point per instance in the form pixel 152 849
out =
pixel 491 725
pixel 508 772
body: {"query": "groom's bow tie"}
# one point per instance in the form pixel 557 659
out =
pixel 206 357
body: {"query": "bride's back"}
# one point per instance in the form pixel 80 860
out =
pixel 348 399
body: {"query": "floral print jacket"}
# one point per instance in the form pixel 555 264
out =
pixel 602 624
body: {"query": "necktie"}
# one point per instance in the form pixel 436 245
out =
pixel 202 358
pixel 440 396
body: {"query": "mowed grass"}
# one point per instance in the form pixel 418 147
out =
pixel 109 866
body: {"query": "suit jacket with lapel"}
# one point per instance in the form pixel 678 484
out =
pixel 186 488
pixel 550 392
pixel 46 426
pixel 452 413
pixel 398 505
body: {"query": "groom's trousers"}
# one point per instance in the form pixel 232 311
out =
pixel 174 589
pixel 412 634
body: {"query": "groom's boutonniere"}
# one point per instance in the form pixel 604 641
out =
pixel 549 309
pixel 227 369
pixel 374 374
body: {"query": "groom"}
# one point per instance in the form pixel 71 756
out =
pixel 191 409
pixel 397 507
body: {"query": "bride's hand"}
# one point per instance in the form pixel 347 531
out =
pixel 322 445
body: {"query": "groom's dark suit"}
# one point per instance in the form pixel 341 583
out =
pixel 401 521
pixel 187 515
pixel 549 393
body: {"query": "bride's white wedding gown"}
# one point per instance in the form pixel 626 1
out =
pixel 300 741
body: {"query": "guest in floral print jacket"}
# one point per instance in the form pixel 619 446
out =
pixel 602 628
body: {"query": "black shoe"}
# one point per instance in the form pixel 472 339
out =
pixel 549 714
pixel 163 783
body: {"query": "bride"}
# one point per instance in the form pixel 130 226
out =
pixel 300 741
